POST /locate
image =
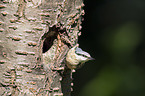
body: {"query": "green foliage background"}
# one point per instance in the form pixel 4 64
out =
pixel 114 34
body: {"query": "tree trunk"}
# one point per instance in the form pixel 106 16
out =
pixel 35 37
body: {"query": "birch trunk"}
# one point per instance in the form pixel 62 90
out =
pixel 32 52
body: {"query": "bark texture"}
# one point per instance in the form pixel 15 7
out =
pixel 33 46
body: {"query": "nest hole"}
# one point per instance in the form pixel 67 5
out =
pixel 48 42
pixel 49 37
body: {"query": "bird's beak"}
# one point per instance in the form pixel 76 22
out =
pixel 91 58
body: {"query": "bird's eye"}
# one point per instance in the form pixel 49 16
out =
pixel 82 55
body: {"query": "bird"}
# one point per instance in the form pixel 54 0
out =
pixel 76 57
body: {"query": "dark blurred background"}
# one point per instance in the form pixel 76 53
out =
pixel 114 34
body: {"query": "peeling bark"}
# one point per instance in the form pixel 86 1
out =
pixel 33 46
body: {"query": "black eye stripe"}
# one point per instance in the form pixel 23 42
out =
pixel 78 53
pixel 82 55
